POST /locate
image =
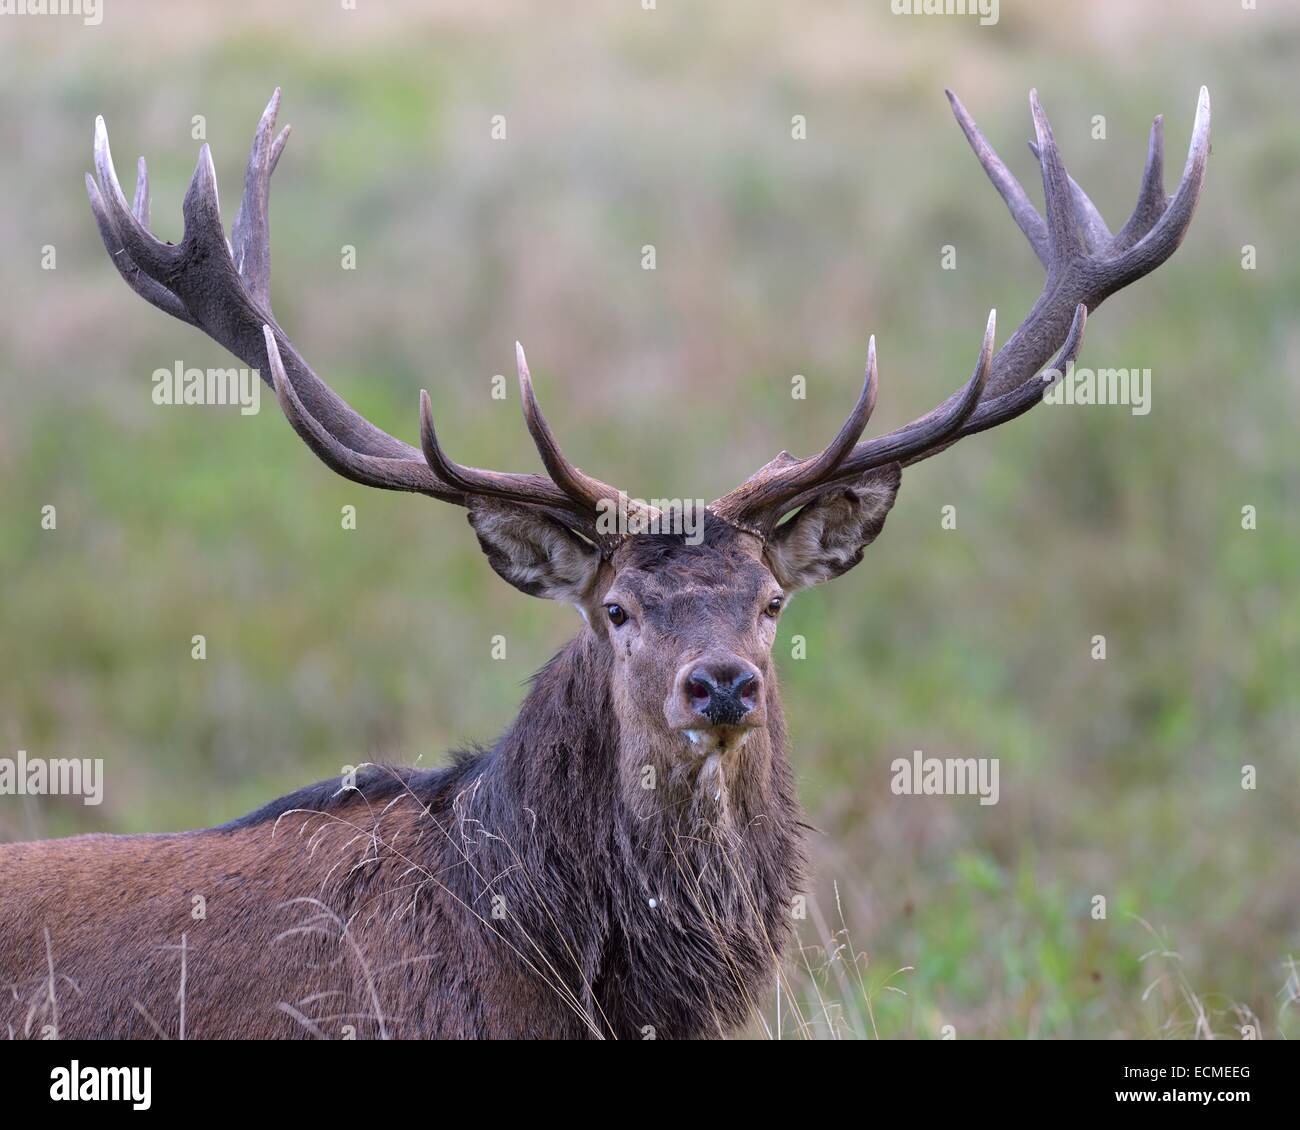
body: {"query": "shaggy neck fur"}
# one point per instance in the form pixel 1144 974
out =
pixel 672 872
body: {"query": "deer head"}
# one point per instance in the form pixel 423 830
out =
pixel 684 630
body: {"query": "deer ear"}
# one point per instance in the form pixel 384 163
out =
pixel 827 537
pixel 534 552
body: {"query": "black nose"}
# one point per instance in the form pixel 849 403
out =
pixel 723 694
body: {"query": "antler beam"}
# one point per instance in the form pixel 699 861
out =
pixel 223 288
pixel 1084 265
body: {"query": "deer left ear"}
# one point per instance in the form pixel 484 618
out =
pixel 534 552
pixel 827 537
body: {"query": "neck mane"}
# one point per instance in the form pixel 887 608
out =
pixel 674 880
pixel 595 881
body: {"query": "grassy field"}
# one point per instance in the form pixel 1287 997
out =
pixel 1120 777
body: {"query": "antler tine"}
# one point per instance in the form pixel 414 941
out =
pixel 989 413
pixel 1063 239
pixel 582 489
pixel 1151 201
pixel 531 489
pixel 370 470
pixel 201 209
pixel 1017 200
pixel 1162 240
pixel 934 429
pixel 149 253
pixel 140 203
pixel 785 477
pixel 1000 409
pixel 449 471
pixel 125 231
pixel 757 506
pixel 250 236
pixel 152 291
pixel 1096 235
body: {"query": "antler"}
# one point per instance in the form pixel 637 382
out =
pixel 223 288
pixel 1084 263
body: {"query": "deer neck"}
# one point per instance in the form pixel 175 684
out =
pixel 578 742
pixel 658 852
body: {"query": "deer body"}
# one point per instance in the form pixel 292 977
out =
pixel 525 891
pixel 623 862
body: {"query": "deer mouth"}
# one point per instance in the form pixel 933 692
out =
pixel 711 740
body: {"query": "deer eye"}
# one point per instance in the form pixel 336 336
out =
pixel 774 606
pixel 617 614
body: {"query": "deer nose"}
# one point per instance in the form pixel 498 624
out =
pixel 723 692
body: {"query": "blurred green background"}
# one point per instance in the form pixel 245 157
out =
pixel 775 256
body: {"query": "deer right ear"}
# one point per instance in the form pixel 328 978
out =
pixel 827 537
pixel 534 552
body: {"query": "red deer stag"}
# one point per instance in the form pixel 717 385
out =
pixel 538 888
